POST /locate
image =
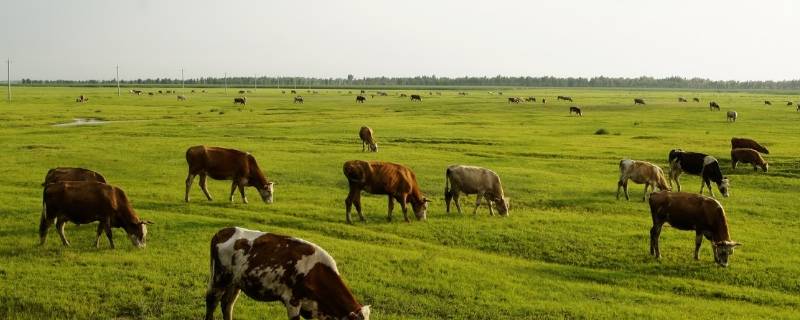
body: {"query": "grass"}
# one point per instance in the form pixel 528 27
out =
pixel 567 250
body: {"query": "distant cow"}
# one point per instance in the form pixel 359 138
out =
pixel 696 99
pixel 160 92
pixel 181 98
pixel 530 99
pixel 367 139
pixel 240 100
pixel 293 92
pixel 479 181
pixel 226 164
pixel 789 103
pixel 682 99
pixel 767 102
pixel 746 155
pixel 298 99
pixel 83 202
pixel 360 99
pixel 82 98
pixel 566 98
pixel 283 91
pixel 640 172
pixel 150 94
pixel 137 92
pixel 748 143
pixel 396 181
pixel 403 95
pixel 544 100
pixel 514 100
pixel 242 92
pixel 705 166
pixel 638 101
pixel 61 174
pixel 362 91
pixel 416 97
pixel 731 116
pixel 689 211
pixel 713 105
pixel 576 110
pixel 273 267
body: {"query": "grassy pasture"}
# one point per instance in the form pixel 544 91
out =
pixel 569 249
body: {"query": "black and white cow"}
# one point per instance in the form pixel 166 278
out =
pixel 699 164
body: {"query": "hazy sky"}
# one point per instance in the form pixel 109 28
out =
pixel 84 39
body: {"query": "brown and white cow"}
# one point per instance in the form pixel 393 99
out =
pixel 746 155
pixel 748 143
pixel 396 181
pixel 83 202
pixel 641 172
pixel 689 211
pixel 272 267
pixel 469 180
pixel 367 139
pixel 71 174
pixel 732 115
pixel 226 164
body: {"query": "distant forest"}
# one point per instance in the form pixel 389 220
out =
pixel 434 81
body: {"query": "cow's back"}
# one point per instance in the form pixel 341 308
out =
pixel 82 201
pixel 219 163
pixel 72 174
pixel 472 180
pixel 683 210
pixel 380 177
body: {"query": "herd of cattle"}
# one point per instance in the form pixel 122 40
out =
pixel 304 277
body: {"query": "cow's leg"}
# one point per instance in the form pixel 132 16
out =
pixel 456 195
pixel 363 145
pixel 655 233
pixel 619 187
pixel 646 185
pixel 733 163
pixel 698 239
pixel 293 311
pixel 100 228
pixel 755 168
pixel 391 207
pixel 213 295
pixel 44 225
pixel 242 183
pixel 60 228
pixel 189 181
pixel 477 203
pixel 404 204
pixel 107 226
pixel 448 196
pixel 233 189
pixel 228 300
pixel 489 203
pixel 204 185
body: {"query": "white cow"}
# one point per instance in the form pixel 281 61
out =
pixel 475 180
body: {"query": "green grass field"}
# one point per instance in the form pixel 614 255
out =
pixel 569 249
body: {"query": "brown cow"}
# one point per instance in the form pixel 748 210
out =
pixel 71 174
pixel 361 99
pixel 226 164
pixel 690 211
pixel 638 101
pixel 396 181
pixel 576 110
pixel 682 99
pixel 367 139
pixel 640 172
pixel 240 100
pixel 272 267
pixel 83 202
pixel 767 102
pixel 746 155
pixel 748 143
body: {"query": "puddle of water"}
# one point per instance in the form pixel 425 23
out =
pixel 81 122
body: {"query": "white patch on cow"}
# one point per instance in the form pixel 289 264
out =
pixel 306 263
pixel 236 260
pixel 708 160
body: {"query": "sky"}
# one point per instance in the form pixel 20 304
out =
pixel 86 39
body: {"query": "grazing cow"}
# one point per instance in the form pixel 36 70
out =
pixel 746 155
pixel 181 98
pixel 474 180
pixel 273 267
pixel 682 99
pixel 689 211
pixel 240 100
pixel 788 103
pixel 438 93
pixel 160 92
pixel 82 98
pixel 416 97
pixel 150 94
pixel 283 91
pixel 61 174
pixel 396 181
pixel 767 102
pixel 514 100
pixel 748 143
pixel 367 139
pixel 293 92
pixel 696 99
pixel 298 99
pixel 576 110
pixel 731 116
pixel 530 99
pixel 544 101
pixel 638 101
pixel 462 93
pixel 137 92
pixel 193 91
pixel 640 172
pixel 713 105
pixel 403 95
pixel 83 202
pixel 242 92
pixel 360 99
pixel 566 98
pixel 362 92
pixel 705 166
pixel 203 91
pixel 226 164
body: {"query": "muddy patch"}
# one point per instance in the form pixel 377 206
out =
pixel 81 122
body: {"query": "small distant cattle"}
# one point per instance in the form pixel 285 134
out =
pixel 403 95
pixel 193 91
pixel 788 103
pixel 482 182
pixel 360 99
pixel 298 99
pixel 576 110
pixel 767 102
pixel 682 99
pixel 514 100
pixel 150 94
pixel 731 116
pixel 713 105
pixel 83 202
pixel 136 92
pixel 696 99
pixel 500 93
pixel 294 91
pixel 283 91
pixel 362 92
pixel 160 92
pixel 242 92
pixel 462 93
pixel 396 181
pixel 530 99
pixel 416 97
pixel 240 100
pixel 61 174
pixel 367 139
pixel 273 267
pixel 640 172
pixel 203 91
pixel 169 91
pixel 748 143
pixel 638 101
pixel 689 211
pixel 181 98
pixel 566 98
pixel 82 98
pixel 226 164
pixel 544 100
pixel 746 155
pixel 694 163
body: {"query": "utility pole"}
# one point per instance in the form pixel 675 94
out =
pixel 226 83
pixel 118 92
pixel 182 87
pixel 8 77
pixel 255 82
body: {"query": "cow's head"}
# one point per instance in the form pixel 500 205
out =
pixel 502 205
pixel 421 209
pixel 723 187
pixel 138 233
pixel 373 147
pixel 360 314
pixel 266 192
pixel 723 250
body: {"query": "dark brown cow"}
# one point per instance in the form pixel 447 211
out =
pixel 226 164
pixel 713 105
pixel 71 174
pixel 416 97
pixel 696 99
pixel 298 99
pixel 272 267
pixel 639 101
pixel 367 139
pixel 748 143
pixel 565 98
pixel 396 181
pixel 789 103
pixel 689 211
pixel 361 99
pixel 241 100
pixel 747 155
pixel 576 110
pixel 514 100
pixel 83 202
pixel 767 102
pixel 682 99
